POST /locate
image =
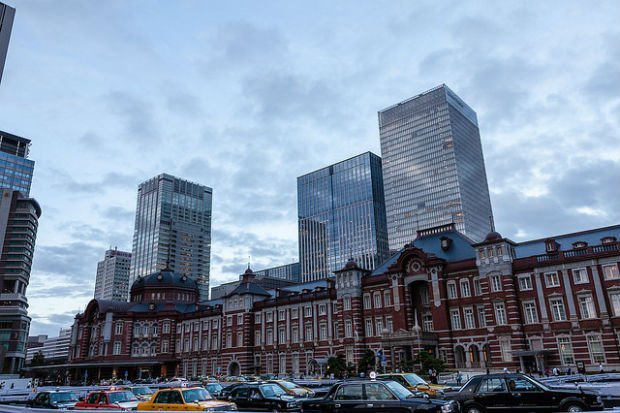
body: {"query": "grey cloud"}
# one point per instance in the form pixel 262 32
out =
pixel 109 180
pixel 184 104
pixel 75 259
pixel 136 114
pixel 118 214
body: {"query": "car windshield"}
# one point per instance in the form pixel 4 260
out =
pixel 288 385
pixel 271 390
pixel 543 386
pixel 141 391
pixel 121 396
pixel 398 389
pixel 214 387
pixel 196 395
pixel 414 379
pixel 63 397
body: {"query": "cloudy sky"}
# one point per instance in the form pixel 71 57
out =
pixel 245 96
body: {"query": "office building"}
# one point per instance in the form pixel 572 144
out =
pixel 55 350
pixel 173 229
pixel 341 216
pixel 290 272
pixel 433 167
pixel 15 167
pixel 7 14
pixel 112 282
pixel 19 217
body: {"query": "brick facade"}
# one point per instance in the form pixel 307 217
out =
pixel 494 304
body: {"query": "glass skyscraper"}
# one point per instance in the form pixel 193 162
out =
pixel 15 169
pixel 112 282
pixel 173 227
pixel 341 216
pixel 433 167
pixel 7 14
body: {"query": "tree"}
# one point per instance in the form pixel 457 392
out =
pixel 38 359
pixel 429 361
pixel 337 365
pixel 367 362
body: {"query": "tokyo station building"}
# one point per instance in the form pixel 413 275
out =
pixel 531 305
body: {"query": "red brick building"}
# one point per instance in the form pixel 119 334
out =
pixel 530 305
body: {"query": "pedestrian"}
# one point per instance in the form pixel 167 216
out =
pixel 434 378
pixel 556 371
pixel 506 370
pixel 458 377
pixel 600 368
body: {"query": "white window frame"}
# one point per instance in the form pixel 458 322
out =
pixel 525 282
pixel 376 300
pixel 597 357
pixel 455 319
pixel 465 288
pixel 496 283
pixel 530 312
pixel 452 290
pixel 552 279
pixel 565 350
pixel 468 316
pixel 505 347
pixel 482 316
pixel 587 309
pixel 614 300
pixel 501 316
pixel 369 330
pixel 558 304
pixel 578 273
pixel 477 287
pixel 610 272
pixel 367 302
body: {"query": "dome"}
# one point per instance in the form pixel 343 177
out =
pixel 493 236
pixel 165 278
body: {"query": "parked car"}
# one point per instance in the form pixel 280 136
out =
pixel 185 398
pixel 520 393
pixel 293 389
pixel 108 399
pixel 214 389
pixel 226 390
pixel 381 396
pixel 58 399
pixel 263 397
pixel 414 383
pixel 142 393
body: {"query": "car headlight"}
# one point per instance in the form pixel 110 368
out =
pixel 599 399
pixel 290 405
pixel 447 408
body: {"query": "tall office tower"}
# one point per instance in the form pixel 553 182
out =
pixel 173 228
pixel 341 216
pixel 433 168
pixel 15 167
pixel 112 281
pixel 290 272
pixel 19 217
pixel 6 24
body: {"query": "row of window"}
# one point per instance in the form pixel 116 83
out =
pixel 376 301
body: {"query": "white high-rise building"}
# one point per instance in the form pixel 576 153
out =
pixel 112 281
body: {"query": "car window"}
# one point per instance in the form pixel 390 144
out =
pixel 401 391
pixel 271 390
pixel 63 397
pixel 521 384
pixel 240 392
pixel 162 397
pixel 414 379
pixel 255 394
pixel 350 392
pixel 196 395
pixel 121 397
pixel 495 385
pixel 175 398
pixel 378 391
pixel 92 398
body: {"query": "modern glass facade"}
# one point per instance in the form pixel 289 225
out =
pixel 433 167
pixel 290 272
pixel 341 216
pixel 15 169
pixel 173 224
pixel 112 282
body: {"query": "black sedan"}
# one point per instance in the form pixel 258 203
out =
pixel 375 396
pixel 263 397
pixel 58 399
pixel 521 393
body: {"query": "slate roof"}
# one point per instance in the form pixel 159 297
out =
pixel 460 249
pixel 249 288
pixel 592 237
pixel 165 278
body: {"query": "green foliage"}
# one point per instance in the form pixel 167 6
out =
pixel 337 365
pixel 429 361
pixel 367 362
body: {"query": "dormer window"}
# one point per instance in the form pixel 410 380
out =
pixel 608 240
pixel 445 243
pixel 482 253
pixel 580 244
pixel 551 246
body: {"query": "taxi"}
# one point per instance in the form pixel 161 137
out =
pixel 293 389
pixel 413 382
pixel 185 398
pixel 108 400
